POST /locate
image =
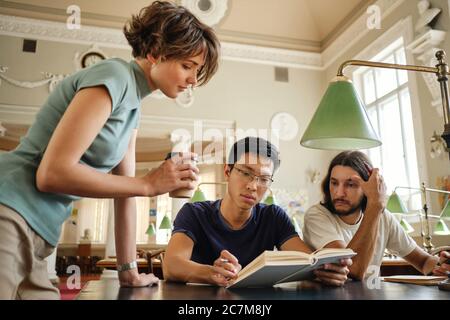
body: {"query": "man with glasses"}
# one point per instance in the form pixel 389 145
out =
pixel 212 241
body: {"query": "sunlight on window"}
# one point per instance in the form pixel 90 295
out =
pixel 369 87
pixel 385 79
pixel 164 207
pixel 93 215
pixel 142 216
pixel 401 59
pixel 387 97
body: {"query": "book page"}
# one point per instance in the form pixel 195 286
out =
pixel 333 252
pixel 286 255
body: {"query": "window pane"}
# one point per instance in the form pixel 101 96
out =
pixel 410 144
pixel 394 169
pixel 142 218
pixel 374 153
pixel 401 59
pixel 369 87
pixel 386 79
pixel 164 207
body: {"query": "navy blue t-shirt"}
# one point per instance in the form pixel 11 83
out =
pixel 268 227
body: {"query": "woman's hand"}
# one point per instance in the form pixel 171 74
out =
pixel 334 274
pixel 178 172
pixel 131 278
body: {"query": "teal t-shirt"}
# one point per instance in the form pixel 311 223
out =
pixel 46 212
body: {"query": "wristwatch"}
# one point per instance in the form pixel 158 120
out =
pixel 127 266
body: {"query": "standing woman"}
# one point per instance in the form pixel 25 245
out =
pixel 82 144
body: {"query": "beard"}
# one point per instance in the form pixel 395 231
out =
pixel 351 210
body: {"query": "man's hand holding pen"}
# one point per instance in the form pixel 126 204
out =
pixel 225 269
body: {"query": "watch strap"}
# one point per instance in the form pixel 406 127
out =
pixel 127 266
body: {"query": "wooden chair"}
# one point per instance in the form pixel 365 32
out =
pixel 150 255
pixel 84 254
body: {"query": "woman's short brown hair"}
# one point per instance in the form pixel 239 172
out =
pixel 168 31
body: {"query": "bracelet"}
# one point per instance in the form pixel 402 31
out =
pixel 127 266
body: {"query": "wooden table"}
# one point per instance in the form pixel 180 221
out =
pixel 109 289
pixel 396 266
pixel 110 263
pixel 389 266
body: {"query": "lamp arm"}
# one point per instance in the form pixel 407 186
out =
pixel 421 189
pixel 385 65
pixel 441 71
pixel 409 188
pixel 437 190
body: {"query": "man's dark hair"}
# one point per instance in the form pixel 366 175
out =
pixel 254 145
pixel 356 160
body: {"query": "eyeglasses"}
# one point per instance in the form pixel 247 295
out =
pixel 262 181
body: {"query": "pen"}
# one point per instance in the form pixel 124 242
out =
pixel 224 260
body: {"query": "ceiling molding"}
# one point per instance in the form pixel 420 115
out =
pixel 116 22
pixel 114 38
pixel 355 32
pixel 269 41
pixel 58 31
pixel 271 56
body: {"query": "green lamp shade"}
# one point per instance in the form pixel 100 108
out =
pixel 270 200
pixel 395 205
pixel 406 226
pixel 151 230
pixel 446 211
pixel 441 228
pixel 165 223
pixel 198 196
pixel 340 121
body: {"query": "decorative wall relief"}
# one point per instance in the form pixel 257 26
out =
pixel 425 46
pixel 51 79
pixel 207 11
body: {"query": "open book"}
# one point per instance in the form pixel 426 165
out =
pixel 273 267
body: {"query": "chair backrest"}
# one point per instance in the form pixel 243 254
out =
pixel 155 254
